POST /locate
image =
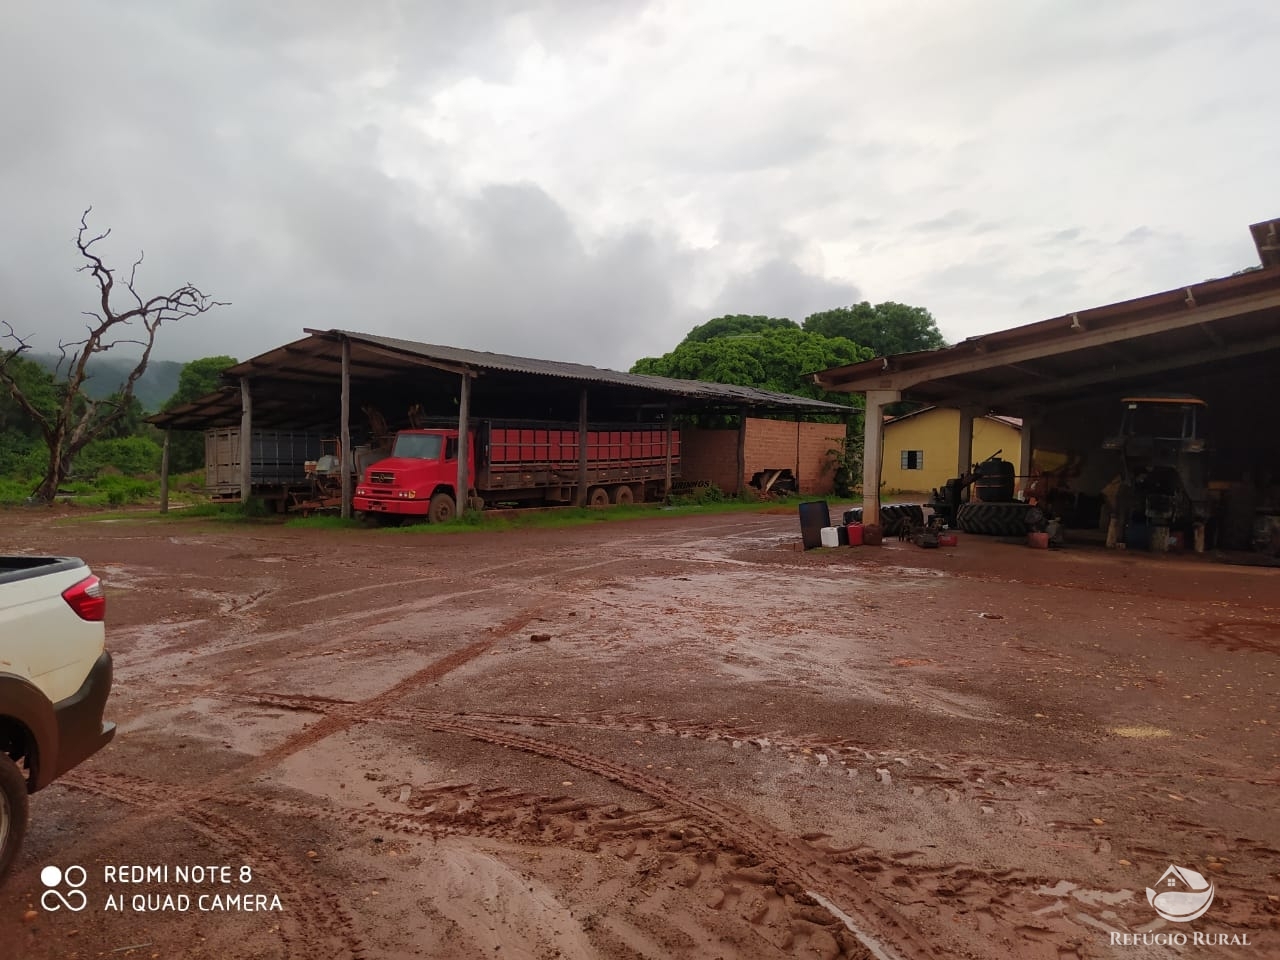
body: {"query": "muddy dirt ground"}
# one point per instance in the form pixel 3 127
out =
pixel 656 738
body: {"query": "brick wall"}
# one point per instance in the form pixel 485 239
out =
pixel 800 447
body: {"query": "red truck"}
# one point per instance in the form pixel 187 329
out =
pixel 526 464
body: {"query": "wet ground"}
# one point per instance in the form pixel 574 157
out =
pixel 670 737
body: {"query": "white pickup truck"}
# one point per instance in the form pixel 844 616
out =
pixel 54 679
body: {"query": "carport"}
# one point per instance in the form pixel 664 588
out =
pixel 1218 340
pixel 315 381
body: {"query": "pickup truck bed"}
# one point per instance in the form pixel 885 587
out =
pixel 55 675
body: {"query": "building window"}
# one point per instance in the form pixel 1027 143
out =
pixel 912 459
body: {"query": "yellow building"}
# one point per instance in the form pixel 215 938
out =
pixel 921 448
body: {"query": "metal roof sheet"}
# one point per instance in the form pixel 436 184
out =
pixel 315 360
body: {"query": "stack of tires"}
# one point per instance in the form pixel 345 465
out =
pixel 893 517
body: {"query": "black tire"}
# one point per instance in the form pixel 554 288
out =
pixel 896 516
pixel 13 814
pixel 623 496
pixel 442 509
pixel 993 519
pixel 598 497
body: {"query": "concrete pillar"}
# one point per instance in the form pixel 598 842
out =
pixel 872 454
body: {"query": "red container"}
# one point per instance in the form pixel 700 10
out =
pixel 1039 541
pixel 855 534
pixel 947 539
pixel 872 534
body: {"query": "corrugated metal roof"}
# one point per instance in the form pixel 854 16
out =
pixel 316 361
pixel 1221 319
pixel 484 360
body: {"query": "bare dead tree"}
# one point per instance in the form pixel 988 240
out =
pixel 79 419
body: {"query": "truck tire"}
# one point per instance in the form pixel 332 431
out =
pixel 623 496
pixel 598 497
pixel 993 519
pixel 13 814
pixel 442 509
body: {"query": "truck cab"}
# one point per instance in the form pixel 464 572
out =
pixel 417 480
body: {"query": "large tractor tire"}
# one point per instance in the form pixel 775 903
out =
pixel 895 516
pixel 993 519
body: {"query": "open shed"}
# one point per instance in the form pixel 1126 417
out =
pixel 1065 377
pixel 337 380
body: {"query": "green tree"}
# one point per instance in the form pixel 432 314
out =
pixel 887 328
pixel 775 357
pixel 198 378
pixel 733 325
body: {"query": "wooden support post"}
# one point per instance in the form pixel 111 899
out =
pixel 742 452
pixel 164 473
pixel 666 490
pixel 344 453
pixel 797 474
pixel 464 443
pixel 872 454
pixel 964 453
pixel 581 499
pixel 246 441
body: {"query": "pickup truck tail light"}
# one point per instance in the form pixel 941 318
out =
pixel 87 598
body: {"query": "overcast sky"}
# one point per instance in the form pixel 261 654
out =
pixel 587 180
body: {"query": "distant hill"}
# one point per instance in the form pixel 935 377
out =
pixel 106 374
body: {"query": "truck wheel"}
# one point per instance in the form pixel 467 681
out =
pixel 442 508
pixel 13 814
pixel 599 497
pixel 623 496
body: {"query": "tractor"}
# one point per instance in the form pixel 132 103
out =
pixel 1161 488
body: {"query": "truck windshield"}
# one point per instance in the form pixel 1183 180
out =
pixel 419 446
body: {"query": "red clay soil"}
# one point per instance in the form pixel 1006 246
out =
pixel 670 737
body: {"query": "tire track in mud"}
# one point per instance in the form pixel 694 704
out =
pixel 795 859
pixel 318 919
pixel 789 856
pixel 816 748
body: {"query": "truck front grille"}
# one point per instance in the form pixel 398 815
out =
pixel 383 477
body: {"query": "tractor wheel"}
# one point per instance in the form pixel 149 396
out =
pixel 442 509
pixel 623 496
pixel 993 519
pixel 597 498
pixel 13 813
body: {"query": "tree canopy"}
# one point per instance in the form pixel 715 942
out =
pixel 197 378
pixel 887 328
pixel 765 352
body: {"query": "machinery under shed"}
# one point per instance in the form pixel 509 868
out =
pixel 1150 421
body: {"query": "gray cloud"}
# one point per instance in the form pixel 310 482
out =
pixel 588 181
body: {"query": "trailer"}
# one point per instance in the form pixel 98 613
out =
pixel 519 464
pixel 277 470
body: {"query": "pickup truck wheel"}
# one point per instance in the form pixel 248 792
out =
pixel 13 814
pixel 442 508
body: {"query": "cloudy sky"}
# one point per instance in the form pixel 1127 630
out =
pixel 587 180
